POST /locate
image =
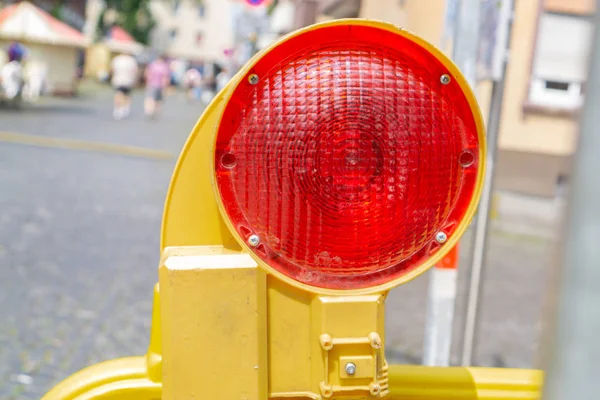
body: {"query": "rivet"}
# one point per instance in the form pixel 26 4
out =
pixel 374 388
pixel 253 79
pixel 326 342
pixel 441 237
pixel 445 79
pixel 253 240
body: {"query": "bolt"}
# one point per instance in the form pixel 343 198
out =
pixel 375 340
pixel 350 368
pixel 445 79
pixel 253 79
pixel 374 388
pixel 441 237
pixel 326 342
pixel 253 240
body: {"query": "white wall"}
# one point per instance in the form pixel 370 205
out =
pixel 216 28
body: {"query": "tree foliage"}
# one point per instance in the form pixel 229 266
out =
pixel 56 10
pixel 132 15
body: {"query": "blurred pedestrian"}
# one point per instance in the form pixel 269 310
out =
pixel 192 81
pixel 125 74
pixel 16 51
pixel 158 78
pixel 36 74
pixel 223 78
pixel 11 76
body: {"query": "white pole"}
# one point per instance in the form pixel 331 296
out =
pixel 466 39
pixel 476 272
pixel 442 284
pixel 440 311
pixel 573 349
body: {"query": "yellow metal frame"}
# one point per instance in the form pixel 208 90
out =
pixel 140 378
pixel 410 382
pixel 297 335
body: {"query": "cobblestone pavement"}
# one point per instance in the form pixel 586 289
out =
pixel 79 236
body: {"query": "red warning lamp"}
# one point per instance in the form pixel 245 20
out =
pixel 348 156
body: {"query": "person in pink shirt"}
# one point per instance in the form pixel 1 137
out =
pixel 158 77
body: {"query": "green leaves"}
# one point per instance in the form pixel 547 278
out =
pixel 132 15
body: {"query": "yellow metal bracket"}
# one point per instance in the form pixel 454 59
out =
pixel 141 378
pixel 371 368
pixel 213 312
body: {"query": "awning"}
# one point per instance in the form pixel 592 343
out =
pixel 26 22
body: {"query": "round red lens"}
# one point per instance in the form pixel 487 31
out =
pixel 346 157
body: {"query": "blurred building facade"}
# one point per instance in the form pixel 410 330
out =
pixel 53 47
pixel 194 30
pixel 545 83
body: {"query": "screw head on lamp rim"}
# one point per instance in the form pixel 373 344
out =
pixel 349 156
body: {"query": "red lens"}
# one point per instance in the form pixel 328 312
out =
pixel 344 152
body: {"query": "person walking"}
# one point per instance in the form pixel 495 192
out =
pixel 223 78
pixel 36 74
pixel 192 81
pixel 11 77
pixel 125 73
pixel 158 78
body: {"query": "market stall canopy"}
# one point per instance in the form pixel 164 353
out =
pixel 26 22
pixel 120 41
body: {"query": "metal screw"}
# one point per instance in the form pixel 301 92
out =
pixel 445 79
pixel 253 79
pixel 253 240
pixel 375 340
pixel 350 368
pixel 374 388
pixel 441 237
pixel 326 342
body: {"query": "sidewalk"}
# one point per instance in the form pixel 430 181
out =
pixel 527 215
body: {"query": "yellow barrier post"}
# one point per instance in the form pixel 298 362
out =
pixel 229 320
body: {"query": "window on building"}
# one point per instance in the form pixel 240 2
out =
pixel 172 34
pixel 560 61
pixel 201 10
pixel 176 5
pixel 570 6
pixel 199 38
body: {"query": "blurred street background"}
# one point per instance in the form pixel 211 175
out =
pixel 82 187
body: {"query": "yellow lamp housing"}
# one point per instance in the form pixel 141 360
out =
pixel 226 324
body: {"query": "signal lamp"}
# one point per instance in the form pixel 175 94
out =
pixel 349 157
